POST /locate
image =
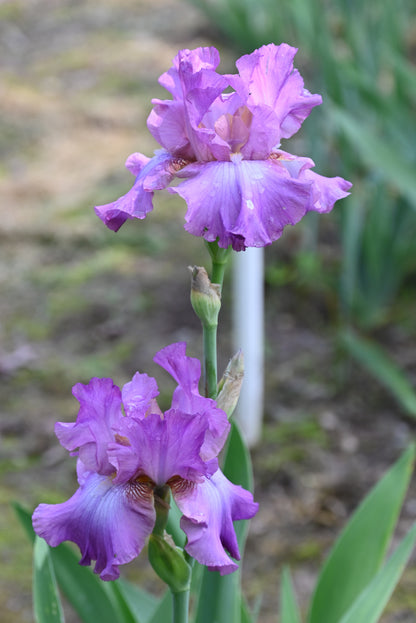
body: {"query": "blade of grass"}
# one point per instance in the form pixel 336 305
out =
pixel 382 367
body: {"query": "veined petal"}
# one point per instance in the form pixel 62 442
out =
pixel 108 524
pixel 325 190
pixel 138 395
pixel 160 448
pixel 136 162
pixel 186 398
pixel 200 58
pixel 137 203
pixel 243 203
pixel 98 418
pixel 209 510
pixel 167 124
pixel 266 77
pixel 264 134
pixel 186 371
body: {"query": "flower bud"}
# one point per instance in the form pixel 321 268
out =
pixel 169 564
pixel 229 386
pixel 205 297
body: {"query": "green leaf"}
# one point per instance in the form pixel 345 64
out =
pixel 377 154
pixel 220 596
pixel 25 518
pixel 246 617
pixel 372 601
pixel 163 611
pixel 140 602
pixel 360 550
pixel 289 611
pixel 90 597
pixel 46 602
pixel 127 613
pixel 375 359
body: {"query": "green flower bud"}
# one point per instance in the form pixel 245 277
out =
pixel 169 564
pixel 205 297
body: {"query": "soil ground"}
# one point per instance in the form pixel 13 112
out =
pixel 78 301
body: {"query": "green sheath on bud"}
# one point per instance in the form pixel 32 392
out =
pixel 161 496
pixel 169 564
pixel 229 386
pixel 205 297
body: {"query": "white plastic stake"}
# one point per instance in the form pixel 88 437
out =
pixel 248 313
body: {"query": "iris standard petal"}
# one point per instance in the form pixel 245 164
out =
pixel 167 124
pixel 98 418
pixel 186 398
pixel 160 448
pixel 138 395
pixel 108 523
pixel 209 510
pixel 200 58
pixel 245 203
pixel 266 77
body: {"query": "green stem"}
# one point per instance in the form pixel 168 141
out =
pixel 180 607
pixel 210 359
pixel 219 258
pixel 218 270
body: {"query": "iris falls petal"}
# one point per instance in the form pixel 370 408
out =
pixel 105 521
pixel 208 514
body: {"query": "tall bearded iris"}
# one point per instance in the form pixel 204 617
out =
pixel 126 459
pixel 221 134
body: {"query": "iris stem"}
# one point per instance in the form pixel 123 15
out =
pixel 210 359
pixel 219 257
pixel 180 607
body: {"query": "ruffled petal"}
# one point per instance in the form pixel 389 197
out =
pixel 167 124
pixel 186 398
pixel 108 523
pixel 186 371
pixel 195 85
pixel 325 190
pixel 243 203
pixel 200 58
pixel 138 395
pixel 201 86
pixel 265 134
pixel 136 162
pixel 98 418
pixel 137 203
pixel 209 510
pixel 266 77
pixel 160 448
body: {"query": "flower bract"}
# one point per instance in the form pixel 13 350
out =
pixel 221 135
pixel 127 451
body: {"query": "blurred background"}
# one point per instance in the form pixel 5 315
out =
pixel 77 300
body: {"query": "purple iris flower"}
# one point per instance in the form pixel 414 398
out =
pixel 221 134
pixel 124 458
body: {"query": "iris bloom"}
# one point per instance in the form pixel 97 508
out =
pixel 221 134
pixel 125 458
